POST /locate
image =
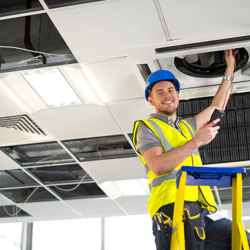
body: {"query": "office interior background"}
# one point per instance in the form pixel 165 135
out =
pixel 72 80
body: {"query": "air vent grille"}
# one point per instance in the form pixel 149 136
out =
pixel 107 147
pixel 233 141
pixel 20 128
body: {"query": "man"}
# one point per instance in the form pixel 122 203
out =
pixel 166 142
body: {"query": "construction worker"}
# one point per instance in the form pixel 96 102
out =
pixel 165 142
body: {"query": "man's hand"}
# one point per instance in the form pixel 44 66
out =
pixel 206 133
pixel 230 59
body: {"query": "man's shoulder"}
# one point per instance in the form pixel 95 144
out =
pixel 191 122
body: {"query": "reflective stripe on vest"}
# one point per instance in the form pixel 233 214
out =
pixel 166 144
pixel 196 152
pixel 158 181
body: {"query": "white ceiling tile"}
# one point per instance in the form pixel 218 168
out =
pixel 7 163
pixel 4 201
pixel 55 209
pixel 115 80
pixel 25 219
pixel 101 31
pixel 127 112
pixel 115 169
pixel 9 104
pixel 76 122
pixel 199 19
pixel 135 204
pixel 102 207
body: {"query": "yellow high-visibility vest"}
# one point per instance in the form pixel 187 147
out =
pixel 163 187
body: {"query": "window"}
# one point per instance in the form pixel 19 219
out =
pixel 10 236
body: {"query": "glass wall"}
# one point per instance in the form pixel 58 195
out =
pixel 120 233
pixel 75 234
pixel 129 232
pixel 10 236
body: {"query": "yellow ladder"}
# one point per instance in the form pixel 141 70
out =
pixel 208 176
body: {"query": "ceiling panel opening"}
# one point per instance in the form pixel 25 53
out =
pixel 13 7
pixel 87 190
pixel 61 174
pixel 15 178
pixel 26 195
pixel 38 154
pixel 232 143
pixel 31 42
pixel 100 148
pixel 62 3
pixel 12 211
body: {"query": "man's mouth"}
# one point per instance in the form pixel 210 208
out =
pixel 168 102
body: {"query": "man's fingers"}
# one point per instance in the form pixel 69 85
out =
pixel 211 124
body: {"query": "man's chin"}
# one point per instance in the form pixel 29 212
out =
pixel 168 112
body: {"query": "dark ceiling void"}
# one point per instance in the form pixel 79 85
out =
pixel 61 174
pixel 26 195
pixel 12 211
pixel 15 178
pixel 50 154
pixel 83 191
pixel 14 7
pixel 100 148
pixel 23 39
pixel 62 3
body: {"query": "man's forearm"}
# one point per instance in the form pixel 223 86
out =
pixel 223 92
pixel 169 160
pixel 161 163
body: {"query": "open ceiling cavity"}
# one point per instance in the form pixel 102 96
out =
pixel 12 211
pixel 26 195
pixel 15 178
pixel 83 191
pixel 100 148
pixel 62 174
pixel 31 42
pixel 14 7
pixel 62 3
pixel 50 153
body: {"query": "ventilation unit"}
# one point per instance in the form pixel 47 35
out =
pixel 197 64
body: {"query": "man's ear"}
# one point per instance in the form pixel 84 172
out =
pixel 150 100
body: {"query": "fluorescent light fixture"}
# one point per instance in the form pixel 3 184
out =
pixel 81 83
pixel 122 188
pixel 52 87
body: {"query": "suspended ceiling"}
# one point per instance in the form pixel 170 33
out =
pixel 93 39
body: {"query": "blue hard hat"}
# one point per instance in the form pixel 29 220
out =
pixel 160 75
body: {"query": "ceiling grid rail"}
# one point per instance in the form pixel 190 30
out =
pixel 162 20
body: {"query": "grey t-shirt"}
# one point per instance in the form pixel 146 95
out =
pixel 147 139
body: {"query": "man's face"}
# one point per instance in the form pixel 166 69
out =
pixel 164 97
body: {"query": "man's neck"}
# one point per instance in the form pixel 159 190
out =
pixel 170 117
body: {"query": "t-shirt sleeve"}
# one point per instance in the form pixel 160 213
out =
pixel 192 123
pixel 146 139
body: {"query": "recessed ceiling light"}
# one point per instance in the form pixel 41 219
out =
pixel 52 87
